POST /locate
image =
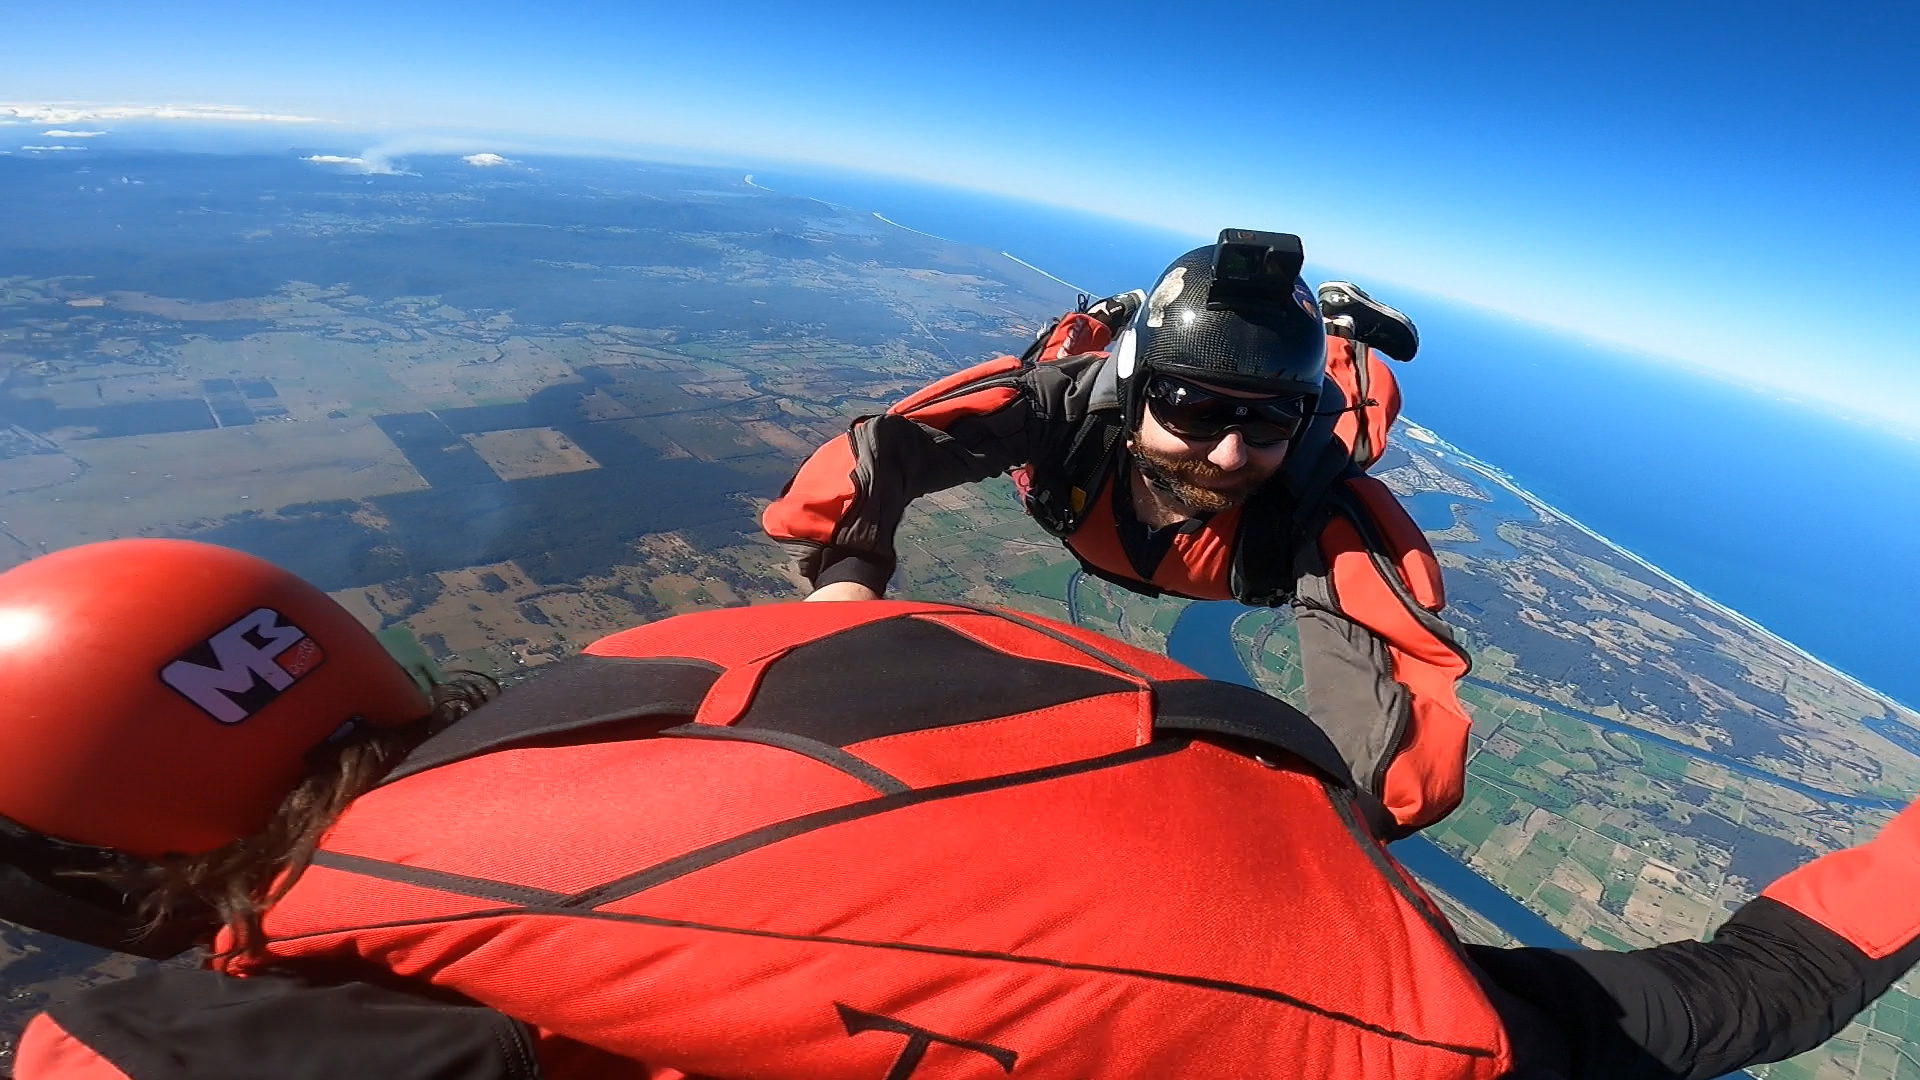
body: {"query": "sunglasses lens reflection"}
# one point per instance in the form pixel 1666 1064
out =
pixel 1192 413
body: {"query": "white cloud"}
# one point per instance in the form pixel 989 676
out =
pixel 371 162
pixel 68 113
pixel 60 133
pixel 484 161
pixel 53 148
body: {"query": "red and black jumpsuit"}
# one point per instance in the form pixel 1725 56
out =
pixel 1380 665
pixel 856 841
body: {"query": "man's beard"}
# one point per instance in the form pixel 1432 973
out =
pixel 1198 484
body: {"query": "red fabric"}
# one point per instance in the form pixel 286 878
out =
pixel 1426 779
pixel 940 414
pixel 1406 545
pixel 1057 890
pixel 1383 388
pixel 1074 335
pixel 1198 566
pixel 733 692
pixel 1379 387
pixel 1026 917
pixel 1869 894
pixel 817 497
pixel 1009 744
pixel 1002 365
pixel 567 818
pixel 1006 635
pixel 1340 369
pixel 47 1052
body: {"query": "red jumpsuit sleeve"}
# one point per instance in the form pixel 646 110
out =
pixel 48 1052
pixel 1382 669
pixel 1868 895
pixel 838 515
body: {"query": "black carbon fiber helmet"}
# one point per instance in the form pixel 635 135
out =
pixel 1236 314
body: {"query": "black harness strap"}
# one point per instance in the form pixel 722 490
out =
pixel 332 1022
pixel 1207 707
pixel 1221 708
pixel 568 698
pixel 1068 477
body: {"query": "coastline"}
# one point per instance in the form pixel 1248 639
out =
pixel 1499 476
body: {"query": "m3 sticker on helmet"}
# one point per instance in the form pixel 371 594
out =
pixel 238 671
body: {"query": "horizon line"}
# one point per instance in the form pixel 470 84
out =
pixel 1903 427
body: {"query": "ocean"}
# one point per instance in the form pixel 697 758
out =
pixel 1801 521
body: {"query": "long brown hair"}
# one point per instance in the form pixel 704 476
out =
pixel 234 885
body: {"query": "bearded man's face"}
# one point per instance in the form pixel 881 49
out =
pixel 1208 476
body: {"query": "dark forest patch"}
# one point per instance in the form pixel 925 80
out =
pixel 1757 856
pixel 557 528
pixel 140 418
pixel 442 458
pixel 1481 601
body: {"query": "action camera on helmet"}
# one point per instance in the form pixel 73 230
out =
pixel 1252 267
pixel 1234 315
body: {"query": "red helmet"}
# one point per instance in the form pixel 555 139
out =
pixel 161 694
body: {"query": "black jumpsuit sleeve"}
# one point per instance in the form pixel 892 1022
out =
pixel 201 1025
pixel 1769 984
pixel 838 515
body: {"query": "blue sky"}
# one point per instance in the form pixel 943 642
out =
pixel 1733 185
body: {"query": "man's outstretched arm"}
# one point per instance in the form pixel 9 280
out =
pixel 839 513
pixel 1783 975
pixel 1381 666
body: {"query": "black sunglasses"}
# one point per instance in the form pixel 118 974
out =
pixel 1190 412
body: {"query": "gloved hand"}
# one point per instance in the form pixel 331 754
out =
pixel 1115 312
